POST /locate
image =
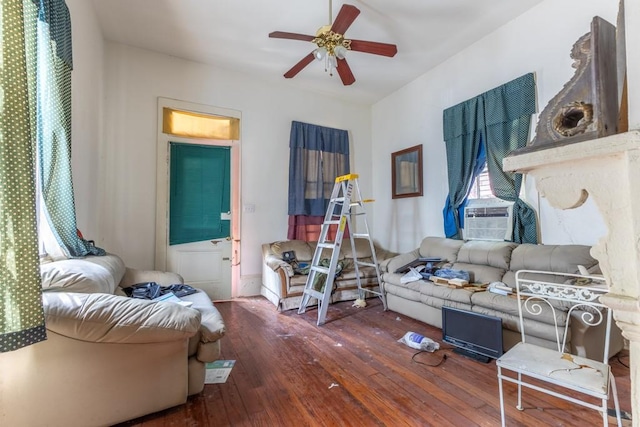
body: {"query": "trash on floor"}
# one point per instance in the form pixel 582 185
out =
pixel 419 342
pixel 359 303
pixel 218 372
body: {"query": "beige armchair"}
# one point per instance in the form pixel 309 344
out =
pixel 107 358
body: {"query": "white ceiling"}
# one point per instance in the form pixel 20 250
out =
pixel 233 34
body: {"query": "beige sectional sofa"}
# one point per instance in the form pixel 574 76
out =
pixel 107 358
pixel 283 287
pixel 492 262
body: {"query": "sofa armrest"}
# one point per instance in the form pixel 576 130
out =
pixel 275 263
pixel 108 318
pixel 384 256
pixel 390 265
pixel 133 276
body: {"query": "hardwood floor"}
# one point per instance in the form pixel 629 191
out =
pixel 353 372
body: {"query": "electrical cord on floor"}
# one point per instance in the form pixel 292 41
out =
pixel 621 362
pixel 442 359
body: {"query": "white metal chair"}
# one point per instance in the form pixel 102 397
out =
pixel 555 303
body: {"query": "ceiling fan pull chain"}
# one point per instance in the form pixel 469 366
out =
pixel 330 11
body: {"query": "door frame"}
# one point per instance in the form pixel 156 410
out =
pixel 162 182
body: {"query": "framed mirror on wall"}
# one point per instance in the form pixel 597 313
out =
pixel 406 172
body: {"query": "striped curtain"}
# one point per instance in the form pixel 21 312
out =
pixel 317 156
pixel 21 314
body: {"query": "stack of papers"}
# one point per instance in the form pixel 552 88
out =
pixel 412 275
pixel 499 288
pixel 171 297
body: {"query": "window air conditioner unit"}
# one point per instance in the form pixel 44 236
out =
pixel 488 219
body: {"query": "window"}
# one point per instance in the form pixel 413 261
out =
pixel 481 188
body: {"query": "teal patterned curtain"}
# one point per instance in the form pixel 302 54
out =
pixel 500 119
pixel 54 126
pixel 508 110
pixel 463 140
pixel 21 314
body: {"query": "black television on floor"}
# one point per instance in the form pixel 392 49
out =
pixel 474 335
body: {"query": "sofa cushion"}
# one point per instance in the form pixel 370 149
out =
pixel 494 254
pixel 480 273
pixel 303 250
pixel 104 318
pixel 509 305
pixel 363 249
pixel 86 275
pixel 425 287
pixel 447 249
pixel 558 258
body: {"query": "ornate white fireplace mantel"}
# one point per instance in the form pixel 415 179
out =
pixel 607 169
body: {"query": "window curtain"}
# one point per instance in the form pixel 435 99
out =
pixel 508 119
pixel 500 119
pixel 53 82
pixel 463 145
pixel 317 156
pixel 21 313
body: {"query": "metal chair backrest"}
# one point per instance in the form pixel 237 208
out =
pixel 557 297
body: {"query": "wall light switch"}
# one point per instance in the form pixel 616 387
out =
pixel 249 208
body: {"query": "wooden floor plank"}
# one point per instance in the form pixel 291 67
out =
pixel 353 372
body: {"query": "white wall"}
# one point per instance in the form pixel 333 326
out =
pixel 134 80
pixel 86 83
pixel 538 41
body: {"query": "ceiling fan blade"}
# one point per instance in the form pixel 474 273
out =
pixel 291 36
pixel 384 49
pixel 345 72
pixel 299 66
pixel 345 18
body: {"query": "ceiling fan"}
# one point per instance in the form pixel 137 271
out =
pixel 333 46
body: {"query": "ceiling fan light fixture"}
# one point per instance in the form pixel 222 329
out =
pixel 320 53
pixel 333 62
pixel 340 52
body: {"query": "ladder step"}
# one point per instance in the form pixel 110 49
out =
pixel 338 199
pixel 319 269
pixel 366 264
pixel 327 245
pixel 364 235
pixel 332 222
pixel 314 293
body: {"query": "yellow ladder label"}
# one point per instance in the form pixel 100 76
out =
pixel 348 177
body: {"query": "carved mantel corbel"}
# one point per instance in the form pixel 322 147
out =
pixel 608 170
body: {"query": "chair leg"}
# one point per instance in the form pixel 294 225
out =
pixel 605 414
pixel 501 397
pixel 614 391
pixel 519 406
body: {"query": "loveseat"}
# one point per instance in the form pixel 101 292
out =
pixel 108 358
pixel 488 262
pixel 283 286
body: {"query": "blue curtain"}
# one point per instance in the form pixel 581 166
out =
pixel 453 217
pixel 317 156
pixel 499 118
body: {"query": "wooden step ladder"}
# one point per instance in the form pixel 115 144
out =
pixel 346 202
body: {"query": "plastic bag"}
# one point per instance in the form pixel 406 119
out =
pixel 419 342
